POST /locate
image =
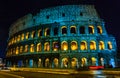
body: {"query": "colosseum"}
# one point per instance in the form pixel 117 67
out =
pixel 66 36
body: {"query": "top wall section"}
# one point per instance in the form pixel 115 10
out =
pixel 65 13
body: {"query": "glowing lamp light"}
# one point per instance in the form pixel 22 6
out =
pixel 65 48
pixel 55 49
pixel 82 47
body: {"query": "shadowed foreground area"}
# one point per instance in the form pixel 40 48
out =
pixel 60 73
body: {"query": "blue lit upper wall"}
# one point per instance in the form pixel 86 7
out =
pixel 81 14
pixel 71 12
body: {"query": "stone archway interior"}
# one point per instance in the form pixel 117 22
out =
pixel 74 62
pixel 65 62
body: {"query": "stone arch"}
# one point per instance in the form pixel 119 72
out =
pixel 26 48
pixel 46 46
pixel 74 45
pixel 27 35
pixel 21 49
pixel 33 34
pixel 102 61
pixel 22 36
pixel 99 30
pixel 74 62
pixel 18 38
pixel 39 62
pixel 94 61
pixel 55 62
pixel 31 62
pixel 101 45
pixel 47 32
pixel 82 29
pixel 32 48
pixel 109 45
pixel 65 62
pixel 17 50
pixel 73 29
pixel 91 29
pixel 39 32
pixel 55 31
pixel 47 62
pixel 83 62
pixel 83 45
pixel 64 46
pixel 112 62
pixel 64 30
pixel 55 46
pixel 92 45
pixel 39 47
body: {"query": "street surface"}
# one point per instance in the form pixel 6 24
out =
pixel 7 75
pixel 80 74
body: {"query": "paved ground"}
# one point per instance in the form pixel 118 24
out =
pixel 3 74
pixel 62 73
pixel 66 71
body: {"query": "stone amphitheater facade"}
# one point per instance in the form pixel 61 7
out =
pixel 67 36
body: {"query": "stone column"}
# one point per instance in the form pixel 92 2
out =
pixel 69 62
pixel 86 29
pixel 51 48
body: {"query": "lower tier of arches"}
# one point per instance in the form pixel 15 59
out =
pixel 63 60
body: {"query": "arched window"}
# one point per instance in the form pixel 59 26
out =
pixel 92 45
pixel 102 61
pixel 74 62
pixel 26 48
pixel 21 49
pixel 39 62
pixel 109 45
pixel 17 50
pixel 33 34
pixel 64 30
pixel 99 29
pixel 63 14
pixel 27 35
pixel 65 62
pixel 31 61
pixel 94 61
pixel 47 32
pixel 83 45
pixel 83 62
pixel 101 45
pixel 46 46
pixel 39 33
pixel 32 48
pixel 12 40
pixel 47 62
pixel 91 29
pixel 55 46
pixel 74 45
pixel 55 31
pixel 64 46
pixel 22 37
pixel 55 62
pixel 18 38
pixel 73 29
pixel 39 47
pixel 82 30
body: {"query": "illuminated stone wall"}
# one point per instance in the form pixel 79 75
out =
pixel 66 36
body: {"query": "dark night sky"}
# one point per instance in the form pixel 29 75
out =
pixel 11 10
